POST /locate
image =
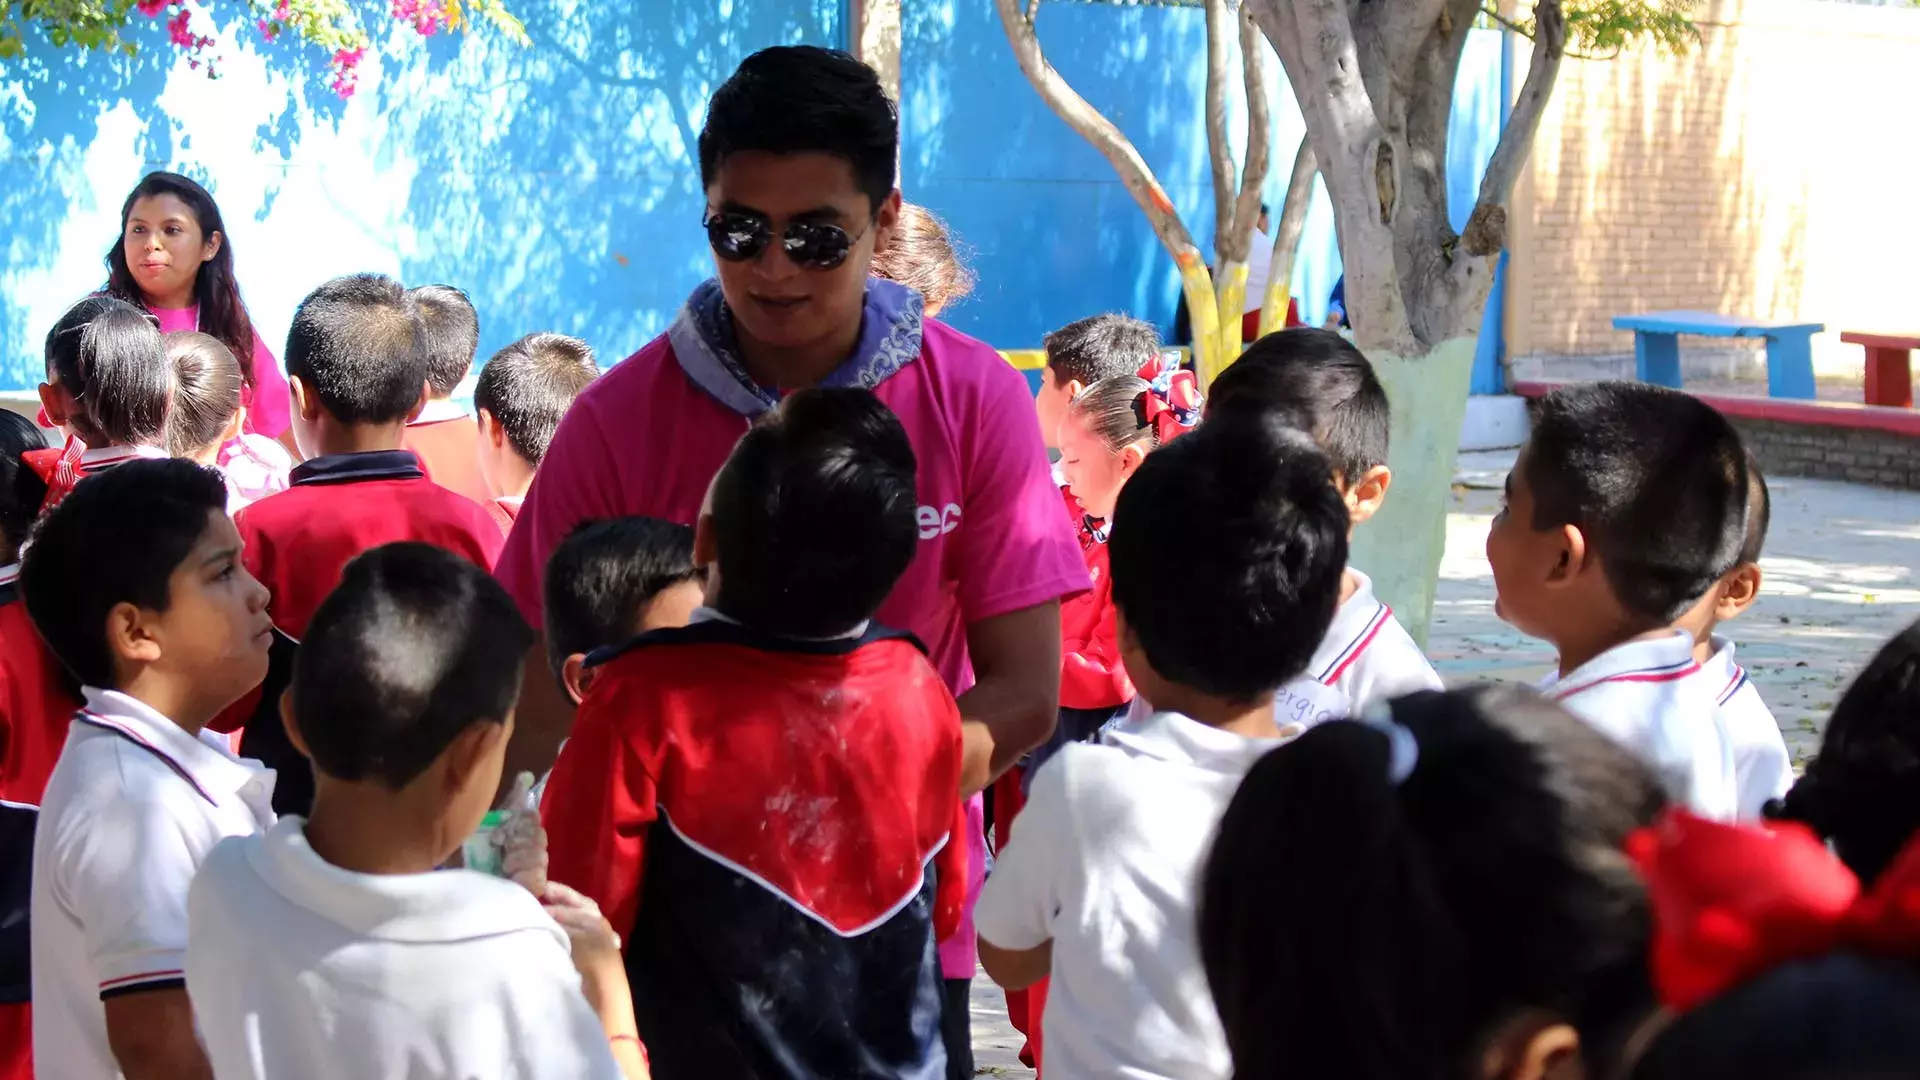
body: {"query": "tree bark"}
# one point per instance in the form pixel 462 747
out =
pixel 1066 103
pixel 877 36
pixel 1286 238
pixel 1219 151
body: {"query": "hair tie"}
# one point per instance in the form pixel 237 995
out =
pixel 1732 902
pixel 1403 750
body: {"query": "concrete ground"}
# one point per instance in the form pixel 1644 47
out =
pixel 1842 574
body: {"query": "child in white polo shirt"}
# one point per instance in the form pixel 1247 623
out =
pixel 1096 887
pixel 331 946
pixel 136 584
pixel 1628 502
pixel 1316 381
pixel 1762 767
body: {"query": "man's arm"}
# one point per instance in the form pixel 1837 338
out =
pixel 152 1038
pixel 1016 969
pixel 541 720
pixel 1015 700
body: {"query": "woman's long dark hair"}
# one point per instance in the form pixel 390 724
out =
pixel 223 314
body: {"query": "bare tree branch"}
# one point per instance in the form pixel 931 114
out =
pixel 1219 151
pixel 1516 142
pixel 1287 233
pixel 1253 176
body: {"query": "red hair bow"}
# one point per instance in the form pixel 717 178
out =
pixel 58 469
pixel 1172 405
pixel 1732 902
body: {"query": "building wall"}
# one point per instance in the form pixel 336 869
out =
pixel 1766 172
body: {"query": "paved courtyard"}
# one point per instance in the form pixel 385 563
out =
pixel 1842 574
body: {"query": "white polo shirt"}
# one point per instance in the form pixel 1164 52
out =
pixel 132 809
pixel 1762 767
pixel 1653 699
pixel 1106 865
pixel 1366 658
pixel 300 970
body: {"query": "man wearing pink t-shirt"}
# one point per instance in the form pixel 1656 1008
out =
pixel 797 158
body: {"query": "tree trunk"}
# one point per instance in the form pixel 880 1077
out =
pixel 876 35
pixel 1286 239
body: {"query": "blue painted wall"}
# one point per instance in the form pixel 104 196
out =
pixel 556 183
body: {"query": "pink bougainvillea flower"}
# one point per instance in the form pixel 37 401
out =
pixel 152 8
pixel 177 30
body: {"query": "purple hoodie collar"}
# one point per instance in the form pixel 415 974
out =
pixel 704 344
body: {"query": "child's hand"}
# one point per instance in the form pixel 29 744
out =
pixel 593 937
pixel 523 843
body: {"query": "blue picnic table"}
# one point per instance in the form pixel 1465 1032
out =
pixel 1656 347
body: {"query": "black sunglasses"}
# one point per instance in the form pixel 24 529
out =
pixel 738 237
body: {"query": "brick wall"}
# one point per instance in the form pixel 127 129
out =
pixel 1768 171
pixel 1832 453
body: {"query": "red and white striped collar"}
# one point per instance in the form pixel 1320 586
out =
pixel 9 574
pixel 1356 623
pixel 1667 658
pixel 438 410
pixel 203 761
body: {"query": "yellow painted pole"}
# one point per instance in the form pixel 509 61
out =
pixel 1232 306
pixel 1202 308
pixel 1273 306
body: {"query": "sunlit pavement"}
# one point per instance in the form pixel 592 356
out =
pixel 1842 574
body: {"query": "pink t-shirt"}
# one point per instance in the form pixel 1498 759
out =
pixel 644 439
pixel 268 401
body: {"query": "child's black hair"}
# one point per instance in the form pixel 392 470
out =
pixel 814 515
pixel 19 497
pixel 356 343
pixel 601 577
pixel 1376 900
pixel 1759 512
pixel 1838 1017
pixel 1317 381
pixel 1228 546
pixel 797 99
pixel 117 539
pixel 1861 792
pixel 529 385
pixel 452 331
pixel 1655 479
pixel 415 645
pixel 107 354
pixel 1099 348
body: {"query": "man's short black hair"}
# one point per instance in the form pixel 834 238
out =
pixel 814 515
pixel 117 539
pixel 1100 347
pixel 1316 381
pixel 529 385
pixel 357 344
pixel 415 645
pixel 1228 548
pixel 799 99
pixel 603 575
pixel 452 331
pixel 1655 479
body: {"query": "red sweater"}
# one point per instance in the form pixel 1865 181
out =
pixel 1091 674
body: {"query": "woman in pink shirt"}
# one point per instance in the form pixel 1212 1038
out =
pixel 173 258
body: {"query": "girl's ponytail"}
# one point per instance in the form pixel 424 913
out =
pixel 1325 941
pixel 107 354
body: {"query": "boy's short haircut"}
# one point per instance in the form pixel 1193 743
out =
pixel 1099 348
pixel 1228 547
pixel 20 488
pixel 415 645
pixel 452 331
pixel 1318 382
pixel 1759 512
pixel 815 515
pixel 603 575
pixel 529 385
pixel 357 344
pixel 117 539
pixel 1655 479
pixel 798 99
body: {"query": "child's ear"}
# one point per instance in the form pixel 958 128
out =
pixel 1571 557
pixel 292 724
pixel 130 636
pixel 1533 1046
pixel 706 546
pixel 1365 496
pixel 426 395
pixel 234 426
pixel 1131 456
pixel 577 676
pixel 305 402
pixel 55 404
pixel 467 755
pixel 1738 591
pixel 491 430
